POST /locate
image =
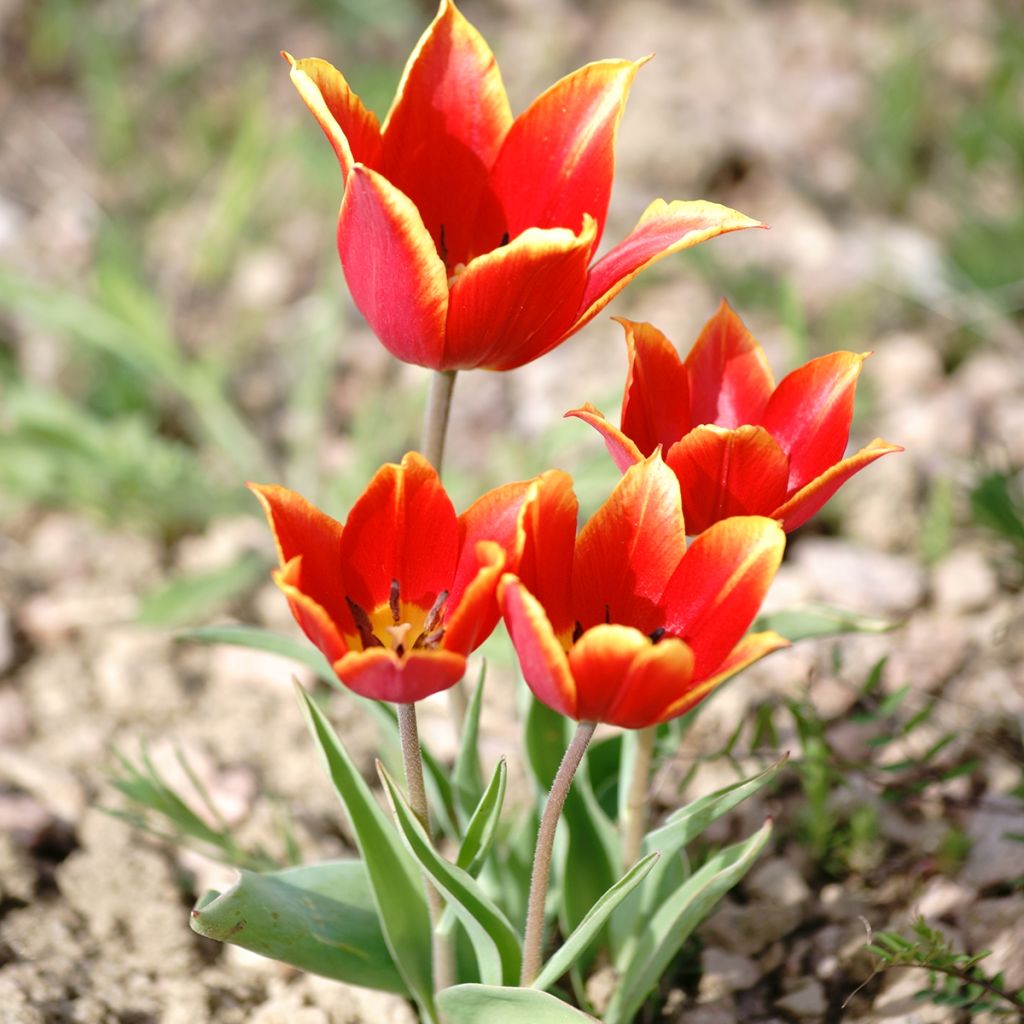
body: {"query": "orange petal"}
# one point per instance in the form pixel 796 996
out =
pixel 472 612
pixel 629 549
pixel 380 674
pixel 810 413
pixel 730 379
pixel 726 473
pixel 656 401
pixel 558 160
pixel 750 649
pixel 657 679
pixel 393 271
pixel 802 505
pixel 719 587
pixel 601 661
pixel 443 133
pixel 621 448
pixel 663 228
pixel 402 527
pixel 325 632
pixel 512 305
pixel 542 658
pixel 352 130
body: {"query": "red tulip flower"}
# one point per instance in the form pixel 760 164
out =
pixel 399 595
pixel 739 444
pixel 468 238
pixel 624 624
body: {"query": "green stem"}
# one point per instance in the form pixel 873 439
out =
pixel 638 799
pixel 533 942
pixel 435 419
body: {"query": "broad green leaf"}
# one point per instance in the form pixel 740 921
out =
pixel 818 620
pixel 488 1004
pixel 651 949
pixel 395 880
pixel 495 941
pixel 467 781
pixel 483 824
pixel 320 918
pixel 588 928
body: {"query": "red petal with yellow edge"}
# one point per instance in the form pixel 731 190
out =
pixel 558 160
pixel 600 662
pixel 629 549
pixel 810 413
pixel 441 138
pixel 656 402
pixel 542 658
pixel 352 130
pixel 403 528
pixel 750 649
pixel 802 505
pixel 664 228
pixel 621 448
pixel 514 304
pixel 656 680
pixel 393 271
pixel 720 585
pixel 380 674
pixel 471 619
pixel 325 632
pixel 726 473
pixel 730 379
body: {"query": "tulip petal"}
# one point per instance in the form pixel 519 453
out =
pixel 802 505
pixel 628 551
pixel 403 528
pixel 442 135
pixel 324 632
pixel 542 658
pixel 380 674
pixel 663 228
pixel 657 680
pixel 474 609
pixel 656 400
pixel 558 160
pixel 810 414
pixel 730 379
pixel 601 661
pixel 514 304
pixel 622 449
pixel 750 649
pixel 726 473
pixel 352 130
pixel 719 586
pixel 393 271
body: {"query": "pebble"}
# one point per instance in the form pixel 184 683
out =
pixel 778 882
pixel 806 1002
pixel 896 1003
pixel 964 581
pixel 995 857
pixel 723 972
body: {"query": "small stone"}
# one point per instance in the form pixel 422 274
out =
pixel 751 928
pixel 964 581
pixel 724 973
pixel 995 856
pixel 776 881
pixel 17 876
pixel 942 897
pixel 806 1002
pixel 15 721
pixel 896 1003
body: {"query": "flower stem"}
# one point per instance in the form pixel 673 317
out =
pixel 637 801
pixel 435 419
pixel 408 734
pixel 533 941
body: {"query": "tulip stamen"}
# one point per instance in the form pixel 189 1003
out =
pixel 607 615
pixel 430 623
pixel 504 240
pixel 442 246
pixel 363 625
pixel 657 634
pixel 394 602
pixel 577 631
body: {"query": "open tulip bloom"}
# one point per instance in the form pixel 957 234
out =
pixel 738 444
pixel 625 625
pixel 468 238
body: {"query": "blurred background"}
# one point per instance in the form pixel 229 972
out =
pixel 173 321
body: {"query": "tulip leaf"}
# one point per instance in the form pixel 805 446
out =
pixel 646 956
pixel 586 931
pixel 487 1004
pixel 395 880
pixel 483 825
pixel 818 620
pixel 466 780
pixel 319 918
pixel 495 941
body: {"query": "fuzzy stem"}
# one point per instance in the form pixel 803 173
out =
pixel 435 418
pixel 533 941
pixel 638 799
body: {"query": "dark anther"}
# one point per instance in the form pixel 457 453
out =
pixel 396 606
pixel 657 634
pixel 442 247
pixel 577 631
pixel 431 640
pixel 607 615
pixel 434 615
pixel 504 240
pixel 362 621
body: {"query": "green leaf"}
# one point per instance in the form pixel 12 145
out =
pixel 644 959
pixel 495 941
pixel 467 782
pixel 487 1004
pixel 483 825
pixel 590 926
pixel 395 880
pixel 320 918
pixel 818 620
